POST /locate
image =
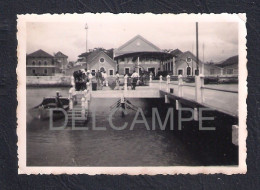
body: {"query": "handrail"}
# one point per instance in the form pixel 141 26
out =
pixel 187 85
pixel 216 89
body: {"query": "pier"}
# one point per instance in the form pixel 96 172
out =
pixel 195 95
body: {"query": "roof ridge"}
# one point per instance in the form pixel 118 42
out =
pixel 134 38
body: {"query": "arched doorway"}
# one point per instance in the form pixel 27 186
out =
pixel 102 69
pixel 188 71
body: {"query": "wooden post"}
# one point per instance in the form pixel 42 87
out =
pixel 125 82
pixel 178 105
pixel 235 135
pixel 199 92
pixel 168 83
pixel 180 82
pixel 196 114
pixel 160 82
pixel 166 99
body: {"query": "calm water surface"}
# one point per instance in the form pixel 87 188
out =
pixel 138 147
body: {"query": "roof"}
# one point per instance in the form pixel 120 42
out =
pixel 230 61
pixel 176 52
pixel 186 54
pixel 40 53
pixel 92 55
pixel 135 38
pixel 60 54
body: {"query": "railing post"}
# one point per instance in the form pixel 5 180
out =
pixel 180 82
pixel 168 83
pixel 90 82
pixel 83 109
pixel 125 83
pixel 151 78
pixel 160 82
pixel 72 81
pixel 71 99
pixel 199 92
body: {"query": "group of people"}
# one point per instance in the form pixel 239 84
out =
pixel 81 78
pixel 101 77
pixel 131 81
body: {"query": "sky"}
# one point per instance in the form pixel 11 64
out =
pixel 220 39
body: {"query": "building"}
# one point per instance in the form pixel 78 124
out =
pixel 94 61
pixel 141 55
pixel 40 63
pixel 228 67
pixel 186 64
pixel 61 60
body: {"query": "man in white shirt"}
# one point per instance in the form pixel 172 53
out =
pixel 134 77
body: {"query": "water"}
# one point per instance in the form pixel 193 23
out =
pixel 137 147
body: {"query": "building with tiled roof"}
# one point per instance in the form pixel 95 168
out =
pixel 94 60
pixel 41 63
pixel 61 61
pixel 141 55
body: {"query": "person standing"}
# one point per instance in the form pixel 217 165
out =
pixel 117 81
pixel 134 79
pixel 99 78
pixel 105 78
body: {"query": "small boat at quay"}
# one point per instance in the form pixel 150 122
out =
pixel 42 111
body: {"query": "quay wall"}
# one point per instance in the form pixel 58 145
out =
pixel 48 81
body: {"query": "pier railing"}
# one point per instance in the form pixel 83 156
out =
pixel 215 96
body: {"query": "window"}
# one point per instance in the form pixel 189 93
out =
pixel 127 70
pixel 230 71
pixel 180 72
pixel 40 63
pixel 45 71
pixel 188 71
pixel 33 71
pixel 111 72
pixel 101 60
pixel 33 63
pixel 45 63
pixel 211 71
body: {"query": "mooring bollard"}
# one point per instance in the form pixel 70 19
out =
pixel 160 82
pixel 71 99
pixel 168 83
pixel 180 82
pixel 125 83
pixel 199 91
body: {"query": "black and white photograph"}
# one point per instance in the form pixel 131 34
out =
pixel 131 93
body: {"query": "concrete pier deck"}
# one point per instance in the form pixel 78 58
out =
pixel 218 99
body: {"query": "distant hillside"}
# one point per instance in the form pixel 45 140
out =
pixel 230 61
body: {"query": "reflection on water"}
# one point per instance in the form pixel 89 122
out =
pixel 109 147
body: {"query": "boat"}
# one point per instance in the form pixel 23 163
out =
pixel 42 111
